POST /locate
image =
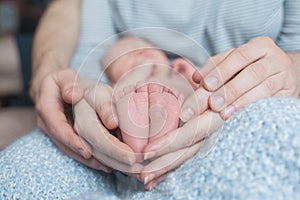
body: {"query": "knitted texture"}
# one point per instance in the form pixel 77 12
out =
pixel 256 157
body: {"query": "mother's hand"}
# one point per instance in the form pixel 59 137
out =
pixel 237 77
pixel 93 116
pixel 173 149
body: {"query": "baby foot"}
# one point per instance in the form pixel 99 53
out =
pixel 164 109
pixel 132 109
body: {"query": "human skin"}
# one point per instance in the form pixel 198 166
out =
pixel 268 71
pixel 148 93
pixel 52 52
pixel 54 84
pixel 256 75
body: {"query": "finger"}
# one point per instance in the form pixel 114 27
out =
pixel 51 112
pixel 63 132
pixel 134 175
pixel 247 79
pixel 238 59
pixel 105 108
pixel 198 102
pixel 90 128
pixel 168 162
pixel 152 184
pixel 90 162
pixel 195 104
pixel 132 169
pixel 192 132
pixel 209 65
pixel 267 88
pixel 99 97
pixel 67 81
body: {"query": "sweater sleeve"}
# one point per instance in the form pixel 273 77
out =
pixel 96 34
pixel 289 37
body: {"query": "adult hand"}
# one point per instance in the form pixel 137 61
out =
pixel 56 91
pixel 237 77
pixel 93 116
pixel 173 149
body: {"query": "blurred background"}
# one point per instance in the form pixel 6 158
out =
pixel 18 21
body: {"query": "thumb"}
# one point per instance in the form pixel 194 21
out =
pixel 67 81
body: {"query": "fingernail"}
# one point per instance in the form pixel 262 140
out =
pixel 149 178
pixel 211 82
pixel 217 102
pixel 187 114
pixel 229 111
pixel 149 155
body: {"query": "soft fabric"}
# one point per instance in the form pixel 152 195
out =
pixel 194 29
pixel 256 157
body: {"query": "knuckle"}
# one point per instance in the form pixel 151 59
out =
pixel 201 94
pixel 231 92
pixel 264 40
pixel 242 54
pixel 200 98
pixel 271 85
pixel 258 71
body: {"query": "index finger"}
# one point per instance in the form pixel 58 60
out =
pixel 209 65
pixel 90 128
pixel 51 111
pixel 238 59
pixel 192 132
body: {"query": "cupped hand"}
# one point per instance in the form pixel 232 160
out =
pixel 95 115
pixel 176 147
pixel 57 91
pixel 237 77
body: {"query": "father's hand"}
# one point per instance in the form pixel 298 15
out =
pixel 237 77
pixel 56 91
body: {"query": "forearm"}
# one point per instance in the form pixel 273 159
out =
pixel 295 57
pixel 55 40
